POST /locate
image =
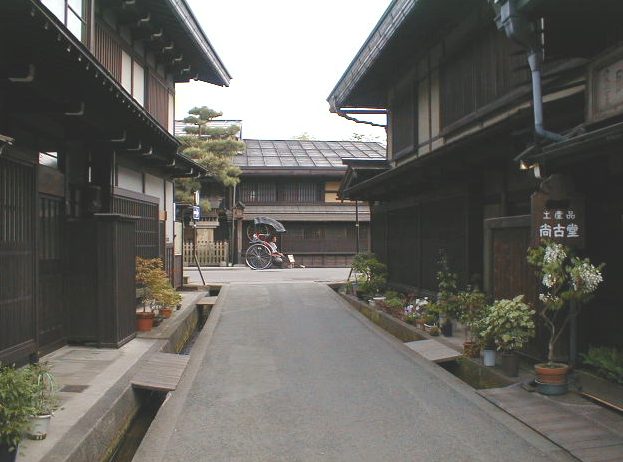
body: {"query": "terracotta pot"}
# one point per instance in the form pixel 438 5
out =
pixel 166 312
pixel 144 321
pixel 471 349
pixel 554 373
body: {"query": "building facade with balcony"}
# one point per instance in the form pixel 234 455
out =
pixel 87 161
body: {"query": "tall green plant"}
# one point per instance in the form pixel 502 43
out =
pixel 371 273
pixel 17 404
pixel 565 278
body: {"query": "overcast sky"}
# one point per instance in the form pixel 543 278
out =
pixel 285 57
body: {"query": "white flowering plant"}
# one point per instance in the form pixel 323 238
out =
pixel 564 278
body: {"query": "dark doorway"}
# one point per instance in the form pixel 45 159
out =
pixel 51 304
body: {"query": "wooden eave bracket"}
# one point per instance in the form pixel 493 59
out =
pixel 29 76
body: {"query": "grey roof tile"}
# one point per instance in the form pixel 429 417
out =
pixel 305 153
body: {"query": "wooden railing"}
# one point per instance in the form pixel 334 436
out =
pixel 208 253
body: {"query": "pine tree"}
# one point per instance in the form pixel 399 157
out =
pixel 212 147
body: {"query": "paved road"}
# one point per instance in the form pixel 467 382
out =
pixel 290 373
pixel 244 274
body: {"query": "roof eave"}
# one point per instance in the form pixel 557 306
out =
pixel 203 45
pixel 371 50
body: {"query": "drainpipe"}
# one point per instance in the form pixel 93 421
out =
pixel 520 30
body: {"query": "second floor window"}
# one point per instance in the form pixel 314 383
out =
pixel 133 77
pixel 71 13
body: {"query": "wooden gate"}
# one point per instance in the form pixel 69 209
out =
pixel 51 304
pixel 17 260
pixel 507 272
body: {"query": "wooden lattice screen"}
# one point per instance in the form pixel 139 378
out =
pixel 147 230
pixel 17 259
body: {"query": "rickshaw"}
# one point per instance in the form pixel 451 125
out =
pixel 259 253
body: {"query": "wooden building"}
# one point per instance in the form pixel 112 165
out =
pixel 296 182
pixel 87 161
pixel 458 94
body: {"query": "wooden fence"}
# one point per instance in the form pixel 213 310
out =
pixel 208 253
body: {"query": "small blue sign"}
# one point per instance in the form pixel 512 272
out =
pixel 196 212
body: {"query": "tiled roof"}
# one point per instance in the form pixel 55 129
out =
pixel 305 154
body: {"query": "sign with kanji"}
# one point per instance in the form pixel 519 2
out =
pixel 196 212
pixel 560 219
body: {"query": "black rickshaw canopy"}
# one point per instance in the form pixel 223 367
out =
pixel 277 226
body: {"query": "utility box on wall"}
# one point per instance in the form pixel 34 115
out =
pixel 100 280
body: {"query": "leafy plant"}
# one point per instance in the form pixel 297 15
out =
pixel 393 306
pixel 447 301
pixel 607 362
pixel 565 278
pixel 371 273
pixel 17 404
pixel 157 290
pixel 45 397
pixel 472 303
pixel 509 323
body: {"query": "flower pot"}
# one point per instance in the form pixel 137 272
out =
pixel 510 363
pixel 419 323
pixel 471 349
pixel 144 321
pixel 166 312
pixel 38 429
pixel 488 357
pixel 6 455
pixel 554 373
pixel 446 328
pixel 552 389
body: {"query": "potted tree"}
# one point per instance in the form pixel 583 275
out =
pixel 472 304
pixel 565 279
pixel 447 301
pixel 510 324
pixel 371 274
pixel 17 404
pixel 45 400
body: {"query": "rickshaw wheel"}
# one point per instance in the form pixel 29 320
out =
pixel 258 257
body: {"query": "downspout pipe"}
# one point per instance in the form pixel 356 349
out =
pixel 520 30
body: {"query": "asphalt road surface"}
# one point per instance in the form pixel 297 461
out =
pixel 289 372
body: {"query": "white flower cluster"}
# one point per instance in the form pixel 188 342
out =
pixel 549 280
pixel 554 253
pixel 586 278
pixel 549 299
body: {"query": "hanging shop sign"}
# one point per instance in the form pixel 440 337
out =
pixel 558 215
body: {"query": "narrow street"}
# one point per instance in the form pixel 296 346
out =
pixel 289 372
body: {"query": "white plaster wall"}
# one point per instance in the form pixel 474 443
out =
pixel 170 211
pixel 154 186
pixel 129 179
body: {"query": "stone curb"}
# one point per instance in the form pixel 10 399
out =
pixel 106 422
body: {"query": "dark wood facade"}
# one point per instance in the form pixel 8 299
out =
pixel 459 117
pixel 69 234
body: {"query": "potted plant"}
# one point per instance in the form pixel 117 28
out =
pixel 447 302
pixel 485 339
pixel 371 274
pixel 145 281
pixel 45 400
pixel 510 324
pixel 472 304
pixel 16 406
pixel 565 279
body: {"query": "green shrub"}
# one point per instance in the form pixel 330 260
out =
pixel 17 404
pixel 509 323
pixel 607 362
pixel 371 273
